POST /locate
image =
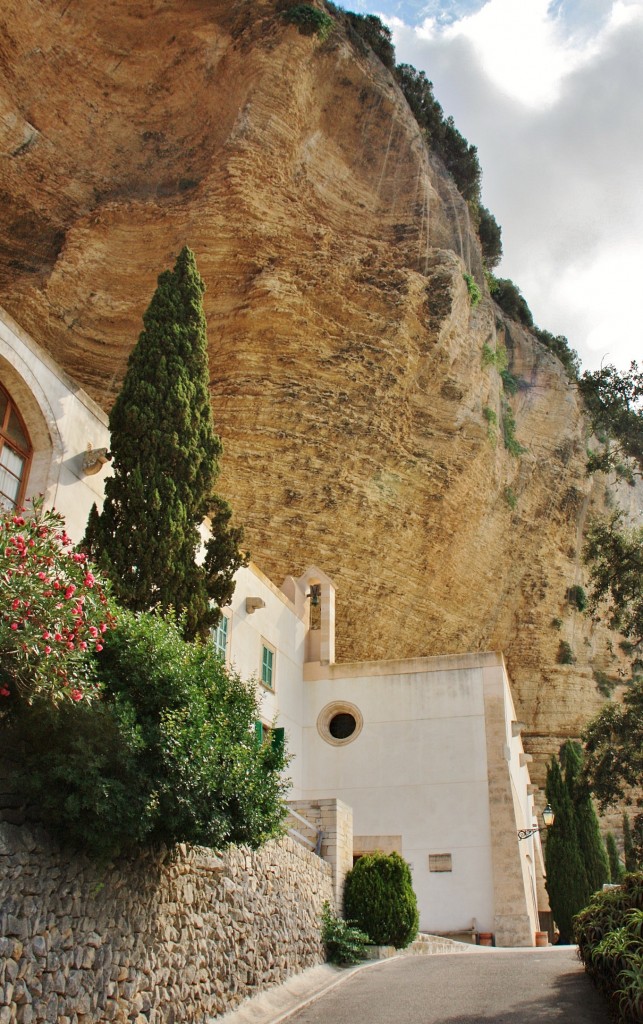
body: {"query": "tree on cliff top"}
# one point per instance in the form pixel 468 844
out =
pixel 166 460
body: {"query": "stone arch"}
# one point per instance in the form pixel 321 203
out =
pixel 35 410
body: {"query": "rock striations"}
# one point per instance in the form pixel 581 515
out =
pixel 348 378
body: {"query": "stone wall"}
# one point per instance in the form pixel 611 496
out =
pixel 153 940
pixel 334 819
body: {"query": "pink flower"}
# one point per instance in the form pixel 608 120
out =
pixel 19 521
pixel 93 631
pixel 90 579
pixel 98 647
pixel 15 603
pixel 4 692
pixel 14 625
pixel 70 591
pixel 70 646
pixel 76 695
pixel 46 634
pixel 57 636
pixel 42 575
pixel 82 645
pixel 47 649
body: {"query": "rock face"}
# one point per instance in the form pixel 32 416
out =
pixel 348 379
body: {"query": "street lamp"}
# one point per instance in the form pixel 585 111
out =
pixel 548 818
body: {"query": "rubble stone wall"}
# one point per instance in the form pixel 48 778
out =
pixel 159 939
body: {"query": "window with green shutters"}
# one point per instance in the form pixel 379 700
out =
pixel 220 638
pixel 266 733
pixel 268 666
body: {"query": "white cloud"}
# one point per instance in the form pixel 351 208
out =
pixel 552 101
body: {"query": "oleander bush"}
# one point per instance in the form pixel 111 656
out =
pixel 609 933
pixel 379 898
pixel 167 753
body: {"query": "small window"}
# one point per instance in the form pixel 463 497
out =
pixel 268 666
pixel 440 862
pixel 339 723
pixel 220 638
pixel 342 725
pixel 15 453
pixel 268 734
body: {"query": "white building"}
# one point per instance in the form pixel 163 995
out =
pixel 425 752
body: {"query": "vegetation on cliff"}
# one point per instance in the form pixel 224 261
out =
pixel 166 461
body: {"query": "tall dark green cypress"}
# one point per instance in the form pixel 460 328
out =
pixel 590 842
pixel 566 876
pixel 166 461
pixel 629 851
pixel 616 868
pixel 575 857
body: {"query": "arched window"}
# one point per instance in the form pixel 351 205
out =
pixel 15 452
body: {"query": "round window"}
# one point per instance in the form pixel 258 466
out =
pixel 339 723
pixel 342 726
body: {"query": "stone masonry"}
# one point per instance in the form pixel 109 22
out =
pixel 159 939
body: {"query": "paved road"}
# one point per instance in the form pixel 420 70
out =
pixel 512 987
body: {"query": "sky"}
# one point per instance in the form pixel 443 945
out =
pixel 551 93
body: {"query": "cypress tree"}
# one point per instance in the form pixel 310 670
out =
pixel 166 460
pixel 566 876
pixel 616 868
pixel 590 843
pixel 629 852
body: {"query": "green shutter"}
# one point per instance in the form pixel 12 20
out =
pixel 278 739
pixel 259 731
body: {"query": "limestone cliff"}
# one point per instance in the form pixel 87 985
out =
pixel 347 373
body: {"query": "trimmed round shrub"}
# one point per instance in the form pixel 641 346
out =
pixel 379 899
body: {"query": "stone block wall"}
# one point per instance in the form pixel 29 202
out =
pixel 335 820
pixel 159 939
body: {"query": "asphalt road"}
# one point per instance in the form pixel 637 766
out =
pixel 512 987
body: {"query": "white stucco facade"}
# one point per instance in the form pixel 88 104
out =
pixel 64 426
pixel 434 766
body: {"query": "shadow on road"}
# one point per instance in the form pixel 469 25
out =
pixel 573 999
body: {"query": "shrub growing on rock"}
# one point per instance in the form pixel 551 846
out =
pixel 379 898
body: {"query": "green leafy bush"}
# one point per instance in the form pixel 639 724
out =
pixel 343 942
pixel 494 357
pixel 512 444
pixel 168 755
pixel 511 382
pixel 379 897
pixel 490 235
pixel 511 301
pixel 474 292
pixel 576 595
pixel 565 654
pixel 558 344
pixel 310 20
pixel 460 158
pixel 609 933
pixel 604 684
pixel 510 497
pixel 375 34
